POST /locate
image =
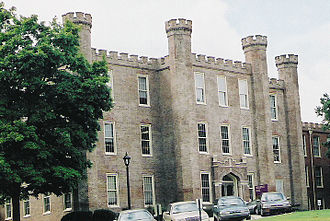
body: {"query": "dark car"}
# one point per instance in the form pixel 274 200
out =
pixel 273 202
pixel 252 206
pixel 230 208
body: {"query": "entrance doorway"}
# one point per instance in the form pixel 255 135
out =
pixel 229 185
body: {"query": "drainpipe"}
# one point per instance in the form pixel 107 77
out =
pixel 312 168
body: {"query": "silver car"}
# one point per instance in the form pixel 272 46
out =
pixel 138 214
pixel 273 202
pixel 231 208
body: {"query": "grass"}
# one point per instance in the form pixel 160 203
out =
pixel 316 215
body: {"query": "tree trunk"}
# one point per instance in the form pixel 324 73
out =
pixel 16 207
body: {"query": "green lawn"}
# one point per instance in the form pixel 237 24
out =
pixel 318 215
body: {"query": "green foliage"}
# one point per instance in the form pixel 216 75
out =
pixel 51 99
pixel 104 215
pixel 324 112
pixel 78 216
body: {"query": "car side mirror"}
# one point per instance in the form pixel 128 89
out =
pixel 288 198
pixel 258 201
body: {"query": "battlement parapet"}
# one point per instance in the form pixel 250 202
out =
pixel 180 24
pixel 78 18
pixel 312 126
pixel 257 40
pixel 219 63
pixel 276 84
pixel 286 59
pixel 129 60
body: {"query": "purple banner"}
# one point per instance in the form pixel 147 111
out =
pixel 261 189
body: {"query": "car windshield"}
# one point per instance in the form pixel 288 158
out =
pixel 185 207
pixel 136 215
pixel 273 197
pixel 230 201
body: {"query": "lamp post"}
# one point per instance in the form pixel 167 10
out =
pixel 126 161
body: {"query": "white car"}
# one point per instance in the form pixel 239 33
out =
pixel 182 211
pixel 137 214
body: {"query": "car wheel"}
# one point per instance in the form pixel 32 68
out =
pixel 262 213
pixel 255 210
pixel 215 218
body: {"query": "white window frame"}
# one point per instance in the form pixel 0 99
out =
pixel 110 85
pixel 113 190
pixel 113 137
pixel 229 140
pixel 225 92
pixel 321 177
pixel 250 141
pixel 150 139
pixel 210 186
pixel 64 203
pixel 153 190
pixel 319 146
pixel 253 184
pixel 24 208
pixel 240 81
pixel 304 145
pixel 279 148
pixel 44 205
pixel 203 88
pixel 273 108
pixel 206 138
pixel 10 205
pixel 147 90
pixel 307 176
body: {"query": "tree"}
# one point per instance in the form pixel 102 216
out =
pixel 324 112
pixel 51 99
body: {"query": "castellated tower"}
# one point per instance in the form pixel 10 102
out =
pixel 287 70
pixel 85 22
pixel 178 87
pixel 255 53
pixel 80 195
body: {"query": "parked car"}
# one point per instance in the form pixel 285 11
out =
pixel 252 206
pixel 137 214
pixel 273 202
pixel 184 211
pixel 231 208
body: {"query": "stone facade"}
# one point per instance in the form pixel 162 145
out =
pixel 185 128
pixel 318 187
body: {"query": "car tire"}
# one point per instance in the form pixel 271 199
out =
pixel 248 218
pixel 215 218
pixel 262 213
pixel 255 210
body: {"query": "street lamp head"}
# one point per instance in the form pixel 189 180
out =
pixel 126 159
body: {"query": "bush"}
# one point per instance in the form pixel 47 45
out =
pixel 104 215
pixel 78 216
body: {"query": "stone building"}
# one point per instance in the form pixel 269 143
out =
pixel 317 179
pixel 195 126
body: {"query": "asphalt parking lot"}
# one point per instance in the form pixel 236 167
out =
pixel 253 217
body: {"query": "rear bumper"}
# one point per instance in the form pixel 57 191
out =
pixel 234 216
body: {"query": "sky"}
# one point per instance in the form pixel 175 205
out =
pixel 299 27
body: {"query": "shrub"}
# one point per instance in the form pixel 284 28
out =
pixel 104 215
pixel 78 216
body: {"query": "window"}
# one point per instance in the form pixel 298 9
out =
pixel 276 150
pixel 246 140
pixel 112 189
pixel 318 177
pixel 47 203
pixel 110 83
pixel 143 91
pixel 225 139
pixel 279 186
pixel 316 146
pixel 222 91
pixel 200 88
pixel 206 187
pixel 26 208
pixel 304 145
pixel 202 137
pixel 67 201
pixel 146 139
pixel 109 138
pixel 8 209
pixel 251 185
pixel 273 109
pixel 148 190
pixel 243 93
pixel 307 176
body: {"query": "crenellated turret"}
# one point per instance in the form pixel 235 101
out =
pixel 254 41
pixel 85 21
